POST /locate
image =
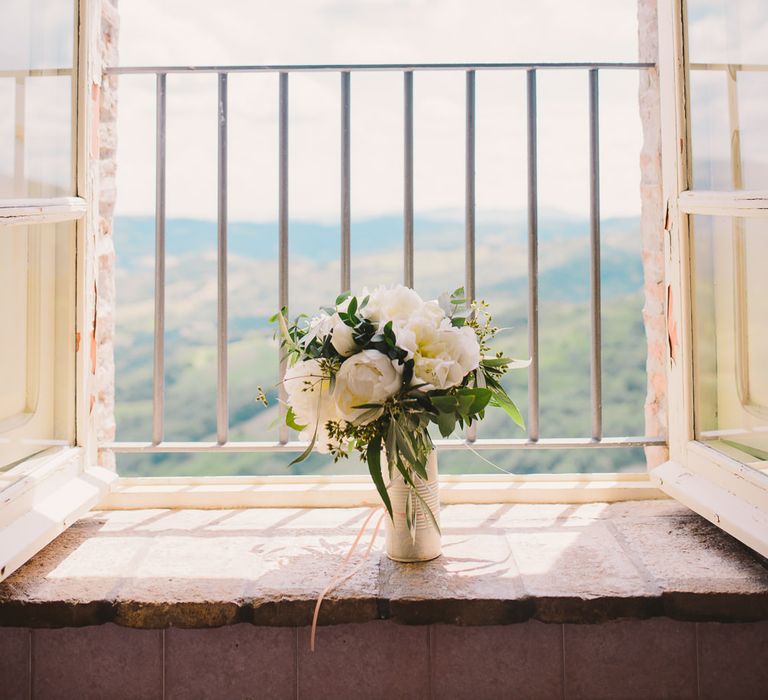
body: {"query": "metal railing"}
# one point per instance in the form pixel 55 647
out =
pixel 533 439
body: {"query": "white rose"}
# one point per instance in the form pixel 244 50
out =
pixel 368 377
pixel 446 357
pixel 341 338
pixel 309 395
pixel 394 304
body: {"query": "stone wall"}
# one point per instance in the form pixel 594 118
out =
pixel 105 249
pixel 652 232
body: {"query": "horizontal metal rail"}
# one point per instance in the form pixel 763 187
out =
pixel 480 444
pixel 372 67
pixel 284 444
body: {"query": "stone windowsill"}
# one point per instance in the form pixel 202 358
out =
pixel 501 564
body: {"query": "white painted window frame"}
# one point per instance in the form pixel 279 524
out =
pixel 718 484
pixel 57 486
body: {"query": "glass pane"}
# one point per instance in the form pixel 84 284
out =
pixel 728 57
pixel 37 304
pixel 730 331
pixel 37 61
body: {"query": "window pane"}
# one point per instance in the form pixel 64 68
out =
pixel 730 331
pixel 37 304
pixel 728 54
pixel 37 61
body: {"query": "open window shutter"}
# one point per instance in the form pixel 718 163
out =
pixel 716 237
pixel 47 473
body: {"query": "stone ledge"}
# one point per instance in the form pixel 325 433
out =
pixel 503 564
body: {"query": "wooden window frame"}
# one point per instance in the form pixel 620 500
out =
pixel 719 484
pixel 57 486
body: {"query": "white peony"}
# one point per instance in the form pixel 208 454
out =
pixel 444 357
pixel 308 387
pixel 396 304
pixel 341 337
pixel 368 377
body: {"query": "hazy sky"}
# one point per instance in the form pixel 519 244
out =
pixel 312 31
pixel 332 31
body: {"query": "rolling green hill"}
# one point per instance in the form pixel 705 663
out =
pixel 501 261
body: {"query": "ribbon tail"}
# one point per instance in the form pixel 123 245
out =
pixel 335 581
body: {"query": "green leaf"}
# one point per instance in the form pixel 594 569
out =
pixel 373 457
pixel 466 399
pixel 367 416
pixel 458 321
pixel 407 442
pixel 343 297
pixel 290 420
pixel 445 404
pixel 428 511
pixel 480 398
pixel 389 335
pixel 391 446
pixel 501 400
pixel 446 422
pixel 410 520
pixel 306 452
pixel 495 361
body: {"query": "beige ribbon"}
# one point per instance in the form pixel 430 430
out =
pixel 335 580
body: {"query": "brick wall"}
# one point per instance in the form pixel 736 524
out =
pixel 652 232
pixel 657 658
pixel 105 249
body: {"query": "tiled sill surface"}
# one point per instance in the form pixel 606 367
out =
pixel 502 564
pixel 523 582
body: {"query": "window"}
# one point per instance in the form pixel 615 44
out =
pixel 715 291
pixel 186 376
pixel 718 247
pixel 46 478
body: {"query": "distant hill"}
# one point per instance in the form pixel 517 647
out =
pixel 376 258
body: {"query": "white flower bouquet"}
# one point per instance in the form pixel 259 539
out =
pixel 373 372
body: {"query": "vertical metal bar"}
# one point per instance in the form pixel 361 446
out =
pixel 596 373
pixel 533 261
pixel 408 179
pixel 222 398
pixel 283 236
pixel 158 370
pixel 20 189
pixel 469 190
pixel 469 205
pixel 345 183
